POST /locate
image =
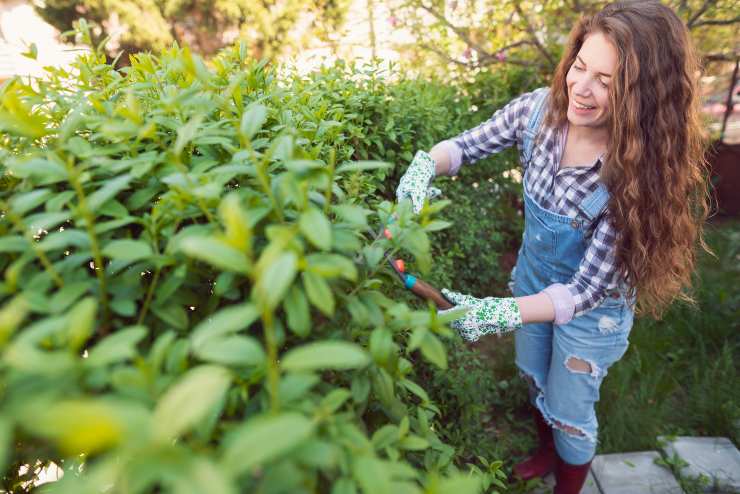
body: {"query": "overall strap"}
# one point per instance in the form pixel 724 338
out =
pixel 537 113
pixel 594 203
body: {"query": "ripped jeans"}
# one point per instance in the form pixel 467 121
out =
pixel 565 365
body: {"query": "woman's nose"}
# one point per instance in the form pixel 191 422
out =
pixel 582 87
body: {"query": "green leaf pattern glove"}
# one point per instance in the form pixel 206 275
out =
pixel 488 315
pixel 414 184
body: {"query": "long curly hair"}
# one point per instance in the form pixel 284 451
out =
pixel 655 166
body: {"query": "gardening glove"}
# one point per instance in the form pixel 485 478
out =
pixel 488 315
pixel 414 184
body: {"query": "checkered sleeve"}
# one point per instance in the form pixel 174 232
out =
pixel 597 272
pixel 499 132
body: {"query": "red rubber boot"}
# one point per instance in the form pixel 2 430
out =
pixel 569 478
pixel 544 459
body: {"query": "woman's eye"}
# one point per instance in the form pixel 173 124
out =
pixel 603 84
pixel 579 69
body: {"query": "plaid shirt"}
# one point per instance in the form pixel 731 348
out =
pixel 558 190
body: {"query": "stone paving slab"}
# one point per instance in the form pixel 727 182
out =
pixel 714 457
pixel 590 486
pixel 633 473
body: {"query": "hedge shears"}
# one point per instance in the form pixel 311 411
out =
pixel 418 287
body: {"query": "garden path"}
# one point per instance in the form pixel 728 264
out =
pixel 711 463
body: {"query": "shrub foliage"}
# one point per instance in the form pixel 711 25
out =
pixel 194 297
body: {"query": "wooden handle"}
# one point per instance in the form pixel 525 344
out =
pixel 427 292
pixel 421 289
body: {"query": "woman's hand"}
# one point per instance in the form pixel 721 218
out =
pixel 414 184
pixel 485 315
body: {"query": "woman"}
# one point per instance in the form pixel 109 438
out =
pixel 615 198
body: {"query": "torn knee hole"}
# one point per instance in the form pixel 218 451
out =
pixel 578 365
pixel 569 429
pixel 581 366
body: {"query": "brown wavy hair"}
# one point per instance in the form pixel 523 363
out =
pixel 655 166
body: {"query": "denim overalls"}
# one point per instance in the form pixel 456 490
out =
pixel 552 248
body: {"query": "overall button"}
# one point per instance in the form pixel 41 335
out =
pixel 574 224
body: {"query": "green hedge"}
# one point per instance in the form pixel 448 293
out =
pixel 193 295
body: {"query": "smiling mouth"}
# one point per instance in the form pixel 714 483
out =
pixel 583 107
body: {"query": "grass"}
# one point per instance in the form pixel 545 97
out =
pixel 679 376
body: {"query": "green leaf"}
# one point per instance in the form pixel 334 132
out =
pixel 334 400
pixel 186 133
pixel 344 486
pixel 318 454
pixel 373 255
pixel 316 228
pixel 252 120
pixel 45 170
pixel 296 309
pixel 202 475
pixel 275 280
pixel 416 389
pixel 224 322
pixel 363 166
pixel 385 436
pixel 263 439
pixel 12 315
pixel 373 476
pixel 417 242
pixel 173 314
pixel 32 52
pixel 413 443
pixel 171 283
pixel 238 231
pixel 127 250
pixel 59 200
pixel 338 355
pixel 78 426
pixel 19 118
pixel 319 292
pixel 46 221
pixel 216 253
pixel 360 388
pixel 107 191
pixel 6 442
pixel 417 336
pixel 22 203
pixel 81 321
pixel 123 307
pixel 295 386
pixel 189 401
pixel 117 347
pixel 434 351
pixel 437 225
pixel 354 215
pixel 302 167
pixel 66 238
pixel 232 350
pixel 460 484
pixel 281 147
pixel 14 243
pixel 331 265
pixel 381 345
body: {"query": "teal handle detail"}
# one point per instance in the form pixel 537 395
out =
pixel 410 281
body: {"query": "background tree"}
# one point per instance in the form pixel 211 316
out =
pixel 472 34
pixel 269 28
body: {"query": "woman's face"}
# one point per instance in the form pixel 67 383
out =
pixel 588 82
